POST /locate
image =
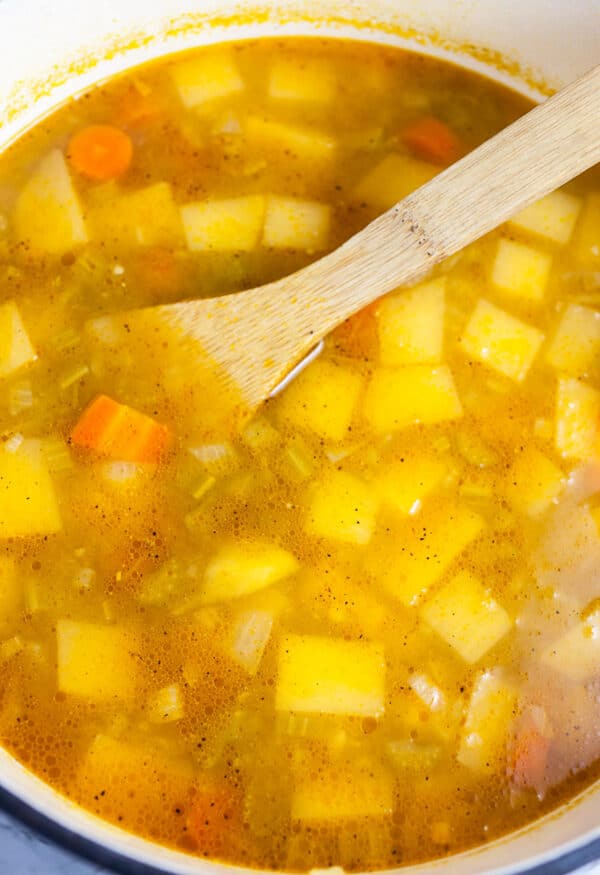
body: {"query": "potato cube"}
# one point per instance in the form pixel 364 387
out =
pixel 291 223
pixel 10 591
pixel 576 655
pixel 501 341
pixel 330 676
pixel 243 567
pixel 229 225
pixel 465 615
pixel 392 180
pixel 577 417
pixel 406 482
pixel 47 212
pixel 310 80
pixel 16 349
pixel 553 217
pixel 576 345
pixel 28 505
pixel 399 397
pixel 533 482
pixel 207 77
pixel 586 243
pixel 96 662
pixel 411 325
pixel 291 140
pixel 356 790
pixel 426 549
pixel 112 771
pixel 486 728
pixel 343 508
pixel 146 217
pixel 521 271
pixel 321 399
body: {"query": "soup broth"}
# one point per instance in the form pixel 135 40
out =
pixel 362 629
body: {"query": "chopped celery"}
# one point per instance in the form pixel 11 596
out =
pixel 412 756
pixel 204 487
pixel 74 376
pixel 298 460
pixel 251 634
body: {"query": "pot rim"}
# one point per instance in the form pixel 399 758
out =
pixel 569 861
pixel 569 857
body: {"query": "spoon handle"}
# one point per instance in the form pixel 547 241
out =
pixel 543 149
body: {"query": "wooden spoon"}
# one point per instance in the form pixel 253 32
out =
pixel 254 338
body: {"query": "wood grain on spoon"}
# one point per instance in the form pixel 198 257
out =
pixel 255 337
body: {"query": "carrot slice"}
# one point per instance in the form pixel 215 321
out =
pixel 120 432
pixel 100 152
pixel 530 757
pixel 431 139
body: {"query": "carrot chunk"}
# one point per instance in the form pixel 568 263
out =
pixel 357 336
pixel 530 757
pixel 432 140
pixel 100 152
pixel 120 432
pixel 214 819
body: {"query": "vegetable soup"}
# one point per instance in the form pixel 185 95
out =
pixel 362 628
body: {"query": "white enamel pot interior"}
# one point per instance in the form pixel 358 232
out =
pixel 53 49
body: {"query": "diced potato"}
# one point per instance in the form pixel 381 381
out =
pixel 411 325
pixel 28 505
pixel 553 217
pixel 291 223
pixel 16 349
pixel 392 180
pixel 310 80
pixel 146 217
pixel 96 662
pixel 586 243
pixel 576 655
pixel 438 535
pixel 343 508
pixel 229 225
pixel 356 790
pixel 487 725
pixel 501 341
pixel 207 77
pixel 533 482
pixel 521 271
pixel 577 419
pixel 299 142
pixel 576 345
pixel 330 676
pixel 399 397
pixel 10 590
pixel 244 567
pixel 465 615
pixel 112 770
pixel 404 484
pixel 321 399
pixel 47 212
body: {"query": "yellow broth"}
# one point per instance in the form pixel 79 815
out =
pixel 365 631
